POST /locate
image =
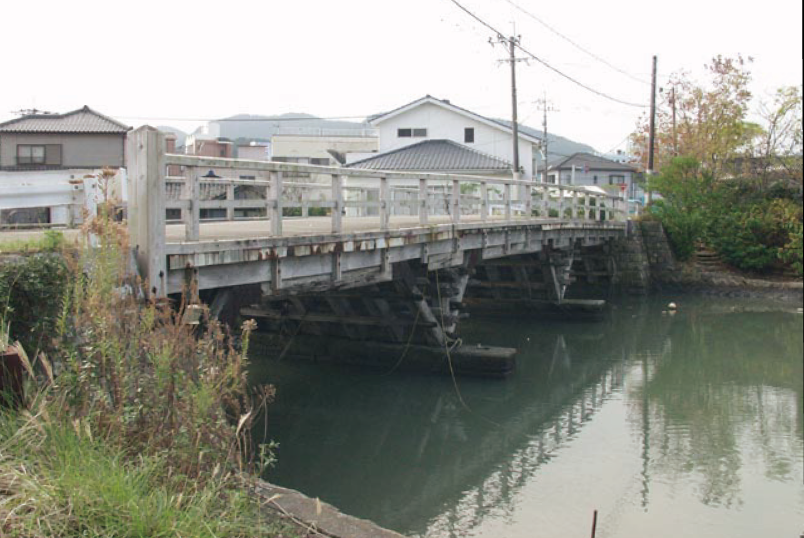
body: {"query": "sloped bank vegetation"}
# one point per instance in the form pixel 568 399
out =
pixel 133 422
pixel 753 228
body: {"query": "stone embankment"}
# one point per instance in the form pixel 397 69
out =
pixel 645 263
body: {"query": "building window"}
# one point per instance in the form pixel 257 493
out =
pixel 29 154
pixel 595 180
pixel 41 154
pixel 469 135
pixel 223 152
pixel 319 161
pixel 616 180
pixel 414 133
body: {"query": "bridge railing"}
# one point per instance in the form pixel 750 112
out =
pixel 232 189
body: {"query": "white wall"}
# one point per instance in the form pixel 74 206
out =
pixel 316 146
pixel 604 178
pixel 443 124
pixel 66 192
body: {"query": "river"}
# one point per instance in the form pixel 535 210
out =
pixel 669 425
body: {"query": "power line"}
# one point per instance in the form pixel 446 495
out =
pixel 544 63
pixel 581 84
pixel 576 45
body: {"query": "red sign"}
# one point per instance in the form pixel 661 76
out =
pixel 623 187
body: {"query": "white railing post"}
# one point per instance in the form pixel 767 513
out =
pixel 507 201
pixel 574 209
pixel 545 212
pixel 528 201
pixel 456 200
pixel 192 193
pixel 230 196
pixel 337 203
pixel 385 203
pixel 274 202
pixel 423 205
pixel 561 202
pixel 145 163
pixel 484 201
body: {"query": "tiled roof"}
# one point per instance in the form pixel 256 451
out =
pixel 593 162
pixel 83 120
pixel 433 156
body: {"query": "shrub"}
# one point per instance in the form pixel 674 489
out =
pixel 31 288
pixel 144 430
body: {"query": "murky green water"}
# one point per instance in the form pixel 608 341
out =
pixel 684 425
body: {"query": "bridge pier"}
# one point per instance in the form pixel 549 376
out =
pixel 537 283
pixel 411 322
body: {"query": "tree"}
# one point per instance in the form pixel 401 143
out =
pixel 776 148
pixel 710 121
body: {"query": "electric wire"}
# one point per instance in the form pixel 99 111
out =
pixel 547 65
pixel 576 45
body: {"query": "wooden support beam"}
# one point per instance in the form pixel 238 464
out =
pixel 363 321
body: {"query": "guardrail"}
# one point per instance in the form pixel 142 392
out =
pixel 460 197
pixel 331 192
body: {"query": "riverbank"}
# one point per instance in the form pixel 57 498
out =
pixel 692 277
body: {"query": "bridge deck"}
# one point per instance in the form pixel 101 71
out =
pixel 321 226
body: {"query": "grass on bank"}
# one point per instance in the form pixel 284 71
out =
pixel 136 424
pixel 49 241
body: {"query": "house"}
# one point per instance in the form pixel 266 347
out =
pixel 585 169
pixel 81 139
pixel 432 119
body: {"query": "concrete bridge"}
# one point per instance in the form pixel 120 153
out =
pixel 354 255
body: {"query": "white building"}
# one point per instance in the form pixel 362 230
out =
pixel 429 118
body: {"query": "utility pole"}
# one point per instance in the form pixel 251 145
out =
pixel 652 136
pixel 511 43
pixel 545 106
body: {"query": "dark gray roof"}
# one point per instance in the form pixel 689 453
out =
pixel 83 120
pixel 594 162
pixel 433 156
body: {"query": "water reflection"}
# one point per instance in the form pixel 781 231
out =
pixel 726 387
pixel 705 393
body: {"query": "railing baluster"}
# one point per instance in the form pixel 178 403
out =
pixel 337 203
pixel 230 196
pixel 545 213
pixel 275 203
pixel 507 201
pixel 484 201
pixel 192 216
pixel 385 203
pixel 574 206
pixel 528 201
pixel 423 205
pixel 456 201
pixel 560 202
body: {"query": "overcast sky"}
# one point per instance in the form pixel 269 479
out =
pixel 159 62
